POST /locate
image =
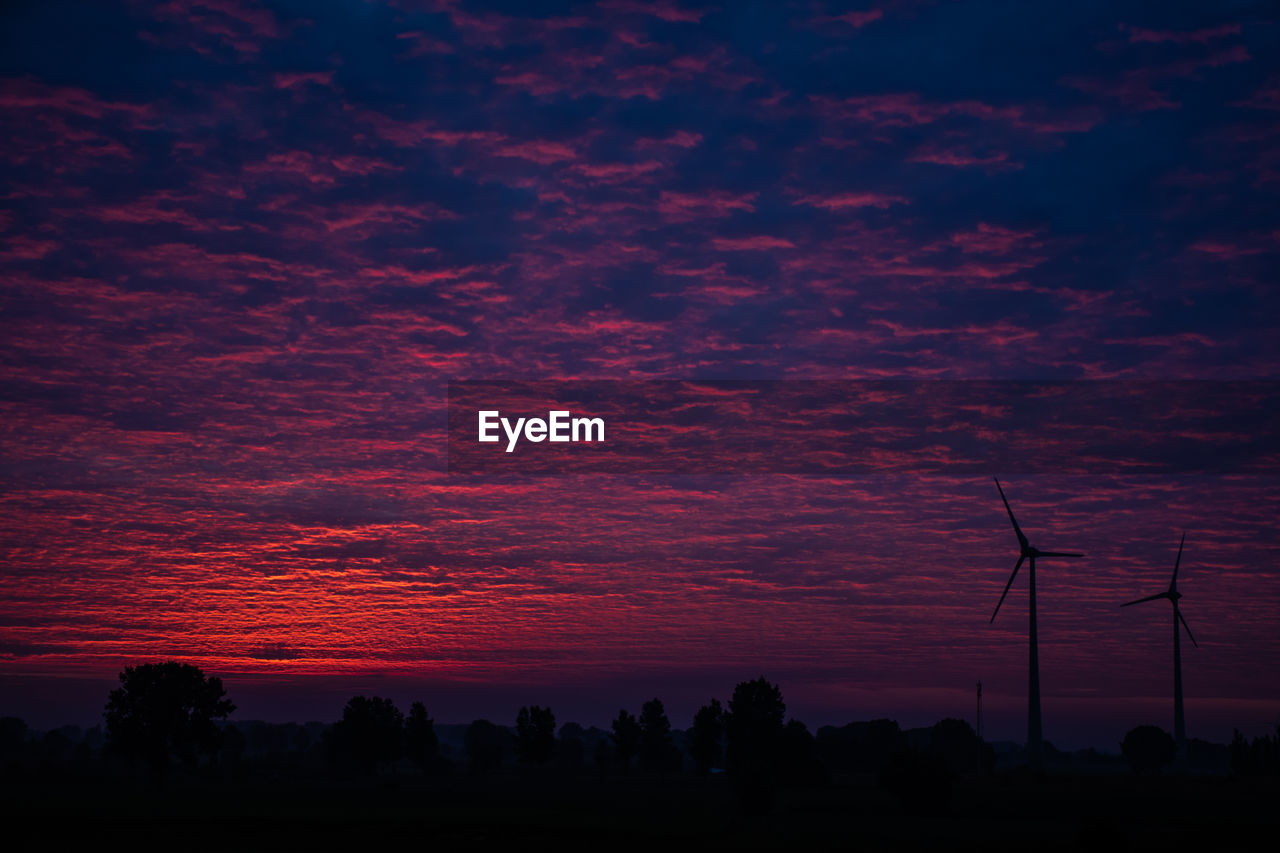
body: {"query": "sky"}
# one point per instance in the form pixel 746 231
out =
pixel 244 248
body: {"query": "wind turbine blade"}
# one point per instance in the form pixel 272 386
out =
pixel 1057 554
pixel 1016 566
pixel 1173 584
pixel 1022 540
pixel 1189 634
pixel 1148 598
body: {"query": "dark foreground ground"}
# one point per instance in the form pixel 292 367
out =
pixel 1012 811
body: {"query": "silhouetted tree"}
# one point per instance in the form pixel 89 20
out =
pixel 1239 753
pixel 1148 748
pixel 753 727
pixel 535 734
pixel 422 747
pixel 862 746
pixel 707 734
pixel 483 742
pixel 571 750
pixel 1259 757
pixel 55 746
pixel 658 752
pixel 1269 759
pixel 371 730
pixel 799 764
pixel 13 739
pixel 605 753
pixel 164 710
pixel 957 744
pixel 233 746
pixel 626 737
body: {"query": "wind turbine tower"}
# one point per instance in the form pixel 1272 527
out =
pixel 1179 722
pixel 1029 553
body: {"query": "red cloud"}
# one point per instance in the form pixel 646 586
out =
pixel 683 207
pixel 855 19
pixel 664 9
pixel 1138 35
pixel 909 109
pixel 291 79
pixel 761 243
pixel 851 200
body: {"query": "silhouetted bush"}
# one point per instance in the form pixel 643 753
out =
pixel 166 710
pixel 1148 748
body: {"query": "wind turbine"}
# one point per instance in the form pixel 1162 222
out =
pixel 1030 553
pixel 1179 724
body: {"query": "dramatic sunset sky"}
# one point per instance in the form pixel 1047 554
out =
pixel 245 246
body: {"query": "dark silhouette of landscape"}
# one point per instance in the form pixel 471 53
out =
pixel 506 425
pixel 170 757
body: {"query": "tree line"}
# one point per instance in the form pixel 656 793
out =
pixel 170 716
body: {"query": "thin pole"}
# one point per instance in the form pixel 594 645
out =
pixel 1179 723
pixel 1033 681
pixel 980 750
pixel 979 710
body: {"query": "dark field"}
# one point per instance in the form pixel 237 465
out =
pixel 1113 811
